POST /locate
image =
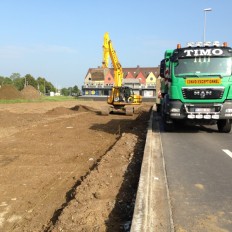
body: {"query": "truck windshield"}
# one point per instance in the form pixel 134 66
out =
pixel 203 66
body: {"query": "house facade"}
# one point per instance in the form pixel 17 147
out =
pixel 142 80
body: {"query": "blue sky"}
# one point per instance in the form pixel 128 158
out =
pixel 61 39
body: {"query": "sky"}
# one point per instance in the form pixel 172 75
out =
pixel 61 39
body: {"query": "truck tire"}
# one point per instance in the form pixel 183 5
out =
pixel 224 125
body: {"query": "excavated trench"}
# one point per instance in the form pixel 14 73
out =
pixel 119 217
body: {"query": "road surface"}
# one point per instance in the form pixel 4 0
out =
pixel 198 162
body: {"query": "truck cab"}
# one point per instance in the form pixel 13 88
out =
pixel 198 85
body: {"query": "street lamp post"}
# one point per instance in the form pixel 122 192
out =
pixel 206 10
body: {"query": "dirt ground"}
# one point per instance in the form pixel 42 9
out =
pixel 65 167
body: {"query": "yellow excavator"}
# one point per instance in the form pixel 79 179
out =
pixel 121 98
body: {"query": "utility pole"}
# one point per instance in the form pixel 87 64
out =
pixel 44 88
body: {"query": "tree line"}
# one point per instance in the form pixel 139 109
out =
pixel 43 86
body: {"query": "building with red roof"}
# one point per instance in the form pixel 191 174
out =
pixel 99 81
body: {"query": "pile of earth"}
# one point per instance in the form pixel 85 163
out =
pixel 29 92
pixel 82 108
pixel 63 110
pixel 9 92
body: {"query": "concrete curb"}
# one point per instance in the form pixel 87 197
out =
pixel 152 207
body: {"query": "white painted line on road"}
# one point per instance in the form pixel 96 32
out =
pixel 228 152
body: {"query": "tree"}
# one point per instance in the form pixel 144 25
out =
pixel 64 91
pixel 70 91
pixel 45 86
pixel 30 80
pixel 2 80
pixel 50 87
pixel 15 76
pixel 7 81
pixel 19 83
pixel 75 91
pixel 41 82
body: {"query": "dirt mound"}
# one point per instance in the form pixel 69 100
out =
pixel 81 108
pixel 9 92
pixel 59 111
pixel 92 203
pixel 29 92
pixel 62 110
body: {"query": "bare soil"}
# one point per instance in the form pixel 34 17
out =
pixel 66 167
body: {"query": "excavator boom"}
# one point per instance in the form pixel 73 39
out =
pixel 106 53
pixel 108 50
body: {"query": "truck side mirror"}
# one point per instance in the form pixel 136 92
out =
pixel 162 68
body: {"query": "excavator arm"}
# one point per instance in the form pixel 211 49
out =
pixel 106 53
pixel 108 50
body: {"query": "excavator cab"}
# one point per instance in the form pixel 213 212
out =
pixel 123 96
pixel 122 99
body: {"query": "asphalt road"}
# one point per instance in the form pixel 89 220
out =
pixel 198 162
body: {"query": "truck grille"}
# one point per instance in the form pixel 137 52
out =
pixel 202 92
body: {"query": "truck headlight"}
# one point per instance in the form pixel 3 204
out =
pixel 174 110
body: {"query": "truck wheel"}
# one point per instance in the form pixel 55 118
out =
pixel 224 125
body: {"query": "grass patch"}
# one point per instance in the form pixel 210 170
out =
pixel 42 99
pixel 58 98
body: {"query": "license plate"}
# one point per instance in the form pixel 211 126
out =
pixel 204 110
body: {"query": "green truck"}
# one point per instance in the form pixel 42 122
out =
pixel 197 85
